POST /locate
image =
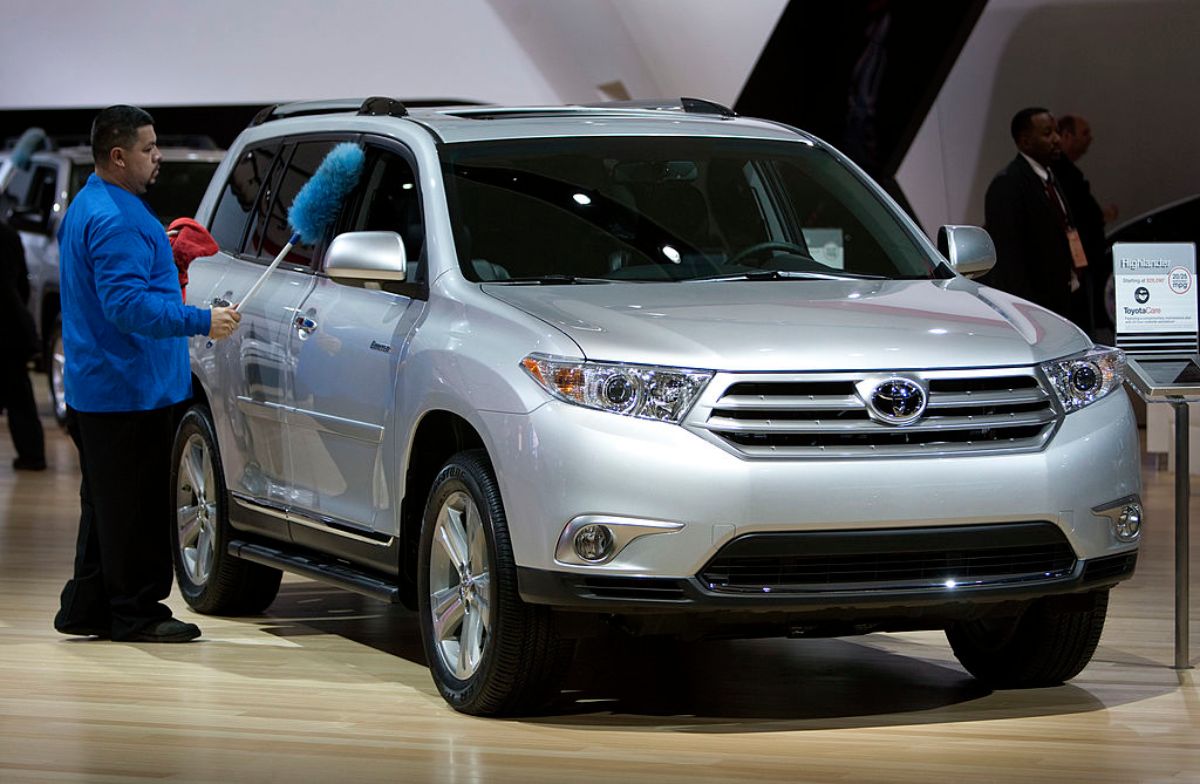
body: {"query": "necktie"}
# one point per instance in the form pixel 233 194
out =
pixel 1078 256
pixel 1056 201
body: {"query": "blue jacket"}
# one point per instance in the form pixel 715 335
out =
pixel 125 326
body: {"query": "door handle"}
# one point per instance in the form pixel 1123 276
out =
pixel 304 324
pixel 220 302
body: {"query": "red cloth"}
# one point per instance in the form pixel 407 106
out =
pixel 190 243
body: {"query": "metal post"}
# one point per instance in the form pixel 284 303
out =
pixel 1183 499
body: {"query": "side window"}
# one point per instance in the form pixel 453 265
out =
pixel 298 171
pixel 392 202
pixel 228 225
pixel 30 197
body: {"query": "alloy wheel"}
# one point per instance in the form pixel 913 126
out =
pixel 460 586
pixel 196 510
pixel 58 364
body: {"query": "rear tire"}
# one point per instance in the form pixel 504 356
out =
pixel 56 365
pixel 489 652
pixel 211 580
pixel 1051 642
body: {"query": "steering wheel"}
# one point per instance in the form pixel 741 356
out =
pixel 762 247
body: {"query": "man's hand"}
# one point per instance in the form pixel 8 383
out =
pixel 224 322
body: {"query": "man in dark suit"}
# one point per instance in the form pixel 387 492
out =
pixel 18 343
pixel 1076 136
pixel 1029 219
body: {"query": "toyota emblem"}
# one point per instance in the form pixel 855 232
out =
pixel 897 401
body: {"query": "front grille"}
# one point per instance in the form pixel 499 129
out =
pixel 890 559
pixel 825 415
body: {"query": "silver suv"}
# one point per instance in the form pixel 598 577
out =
pixel 37 198
pixel 655 368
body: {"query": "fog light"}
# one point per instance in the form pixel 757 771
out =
pixel 1128 525
pixel 594 542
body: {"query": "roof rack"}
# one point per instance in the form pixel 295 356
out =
pixel 375 106
pixel 685 104
pixel 689 105
pixel 280 111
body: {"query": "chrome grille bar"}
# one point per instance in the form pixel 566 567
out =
pixel 971 411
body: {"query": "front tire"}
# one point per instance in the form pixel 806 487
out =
pixel 1050 642
pixel 211 580
pixel 489 652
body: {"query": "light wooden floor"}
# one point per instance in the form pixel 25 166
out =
pixel 331 687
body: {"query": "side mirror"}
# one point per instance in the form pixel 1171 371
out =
pixel 29 219
pixel 366 256
pixel 969 249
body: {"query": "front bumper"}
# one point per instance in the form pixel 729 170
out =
pixel 649 595
pixel 561 462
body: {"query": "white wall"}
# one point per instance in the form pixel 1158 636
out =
pixel 1129 66
pixel 700 48
pixel 66 53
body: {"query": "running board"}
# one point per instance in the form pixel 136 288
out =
pixel 315 567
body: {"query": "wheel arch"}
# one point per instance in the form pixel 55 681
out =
pixel 439 435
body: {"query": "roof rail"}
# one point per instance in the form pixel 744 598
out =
pixel 375 106
pixel 279 111
pixel 689 105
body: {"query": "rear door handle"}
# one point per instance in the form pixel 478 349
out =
pixel 304 324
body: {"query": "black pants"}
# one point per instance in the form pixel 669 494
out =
pixel 16 396
pixel 123 554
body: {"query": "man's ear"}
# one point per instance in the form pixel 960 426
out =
pixel 116 157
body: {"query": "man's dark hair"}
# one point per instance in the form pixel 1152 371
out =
pixel 116 126
pixel 1022 121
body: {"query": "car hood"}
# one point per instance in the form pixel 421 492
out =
pixel 800 324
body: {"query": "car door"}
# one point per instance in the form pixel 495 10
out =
pixel 348 343
pixel 253 364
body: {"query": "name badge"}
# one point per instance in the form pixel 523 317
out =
pixel 1078 257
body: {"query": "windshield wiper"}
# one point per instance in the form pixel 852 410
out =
pixel 786 275
pixel 548 280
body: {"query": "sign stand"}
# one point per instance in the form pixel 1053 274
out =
pixel 1176 381
pixel 1155 286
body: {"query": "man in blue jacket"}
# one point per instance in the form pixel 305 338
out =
pixel 125 330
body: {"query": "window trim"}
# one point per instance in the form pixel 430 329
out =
pixel 239 251
pixel 410 289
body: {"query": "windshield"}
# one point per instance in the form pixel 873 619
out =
pixel 175 194
pixel 670 209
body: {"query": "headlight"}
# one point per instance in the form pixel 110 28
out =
pixel 644 391
pixel 1085 378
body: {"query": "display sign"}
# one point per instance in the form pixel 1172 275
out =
pixel 1155 286
pixel 1160 377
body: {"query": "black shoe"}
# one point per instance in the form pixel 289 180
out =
pixel 26 464
pixel 167 630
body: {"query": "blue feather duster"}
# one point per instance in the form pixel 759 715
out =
pixel 317 204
